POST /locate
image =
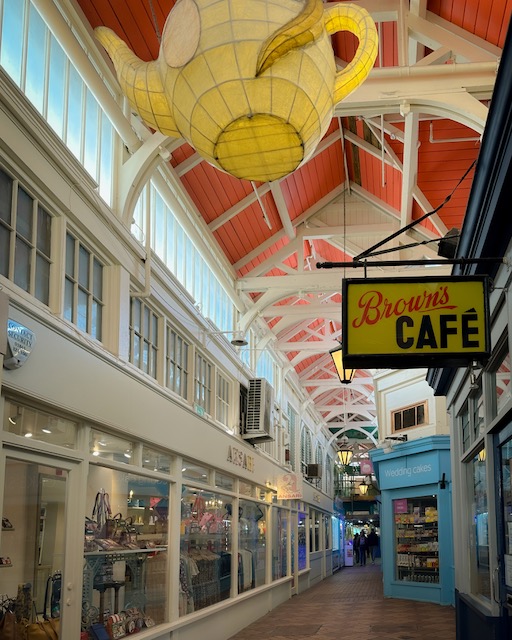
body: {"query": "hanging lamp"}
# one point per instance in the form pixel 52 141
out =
pixel 251 85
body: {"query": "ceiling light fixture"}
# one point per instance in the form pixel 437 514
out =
pixel 345 375
pixel 345 456
pixel 278 111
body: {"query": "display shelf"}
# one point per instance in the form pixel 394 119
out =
pixel 416 542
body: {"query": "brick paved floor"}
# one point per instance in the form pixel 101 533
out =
pixel 350 604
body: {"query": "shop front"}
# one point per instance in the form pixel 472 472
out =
pixel 416 520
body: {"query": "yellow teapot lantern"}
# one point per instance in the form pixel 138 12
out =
pixel 250 84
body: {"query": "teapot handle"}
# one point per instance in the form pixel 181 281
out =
pixel 350 17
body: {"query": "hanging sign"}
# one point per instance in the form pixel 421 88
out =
pixel 415 322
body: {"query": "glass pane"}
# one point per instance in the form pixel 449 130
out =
pixel 36 59
pixel 5 236
pixel 104 445
pixel 74 123
pixel 97 286
pixel 194 472
pixel 91 134
pixel 156 460
pixel 106 159
pixel 252 525
pixel 506 484
pixel 70 256
pixel 44 221
pixel 302 542
pixel 126 563
pixel 24 214
pixel 22 259
pixel 96 316
pixel 40 426
pixel 56 87
pixel 5 197
pixel 68 300
pixel 136 312
pixel 12 39
pixel 81 311
pixel 416 538
pixel 247 489
pixel 479 541
pixel 223 481
pixel 279 544
pixel 33 534
pixel 205 541
pixel 83 267
pixel 502 383
pixel 42 284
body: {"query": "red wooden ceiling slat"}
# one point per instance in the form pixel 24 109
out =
pixel 482 19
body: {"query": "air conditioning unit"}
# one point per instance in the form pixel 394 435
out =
pixel 314 471
pixel 260 405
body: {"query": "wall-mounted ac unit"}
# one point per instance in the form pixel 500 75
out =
pixel 314 471
pixel 260 404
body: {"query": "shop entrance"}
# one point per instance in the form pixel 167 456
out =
pixel 34 528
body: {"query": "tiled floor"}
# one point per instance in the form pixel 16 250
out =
pixel 350 604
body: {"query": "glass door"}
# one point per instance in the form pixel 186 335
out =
pixel 32 543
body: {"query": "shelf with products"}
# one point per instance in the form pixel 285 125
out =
pixel 416 541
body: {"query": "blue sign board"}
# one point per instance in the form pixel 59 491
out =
pixel 409 471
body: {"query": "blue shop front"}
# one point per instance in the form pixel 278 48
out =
pixel 416 519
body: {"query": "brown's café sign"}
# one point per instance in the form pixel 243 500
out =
pixel 415 322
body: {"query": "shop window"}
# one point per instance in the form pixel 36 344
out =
pixel 252 547
pixel 33 536
pixel 247 489
pixel 39 425
pixel 471 418
pixel 501 379
pixel 25 239
pixel 156 460
pixel 177 363
pixel 195 472
pixel 279 543
pixel 83 288
pixel 506 487
pixel 408 417
pixel 416 539
pixel 205 549
pixel 480 574
pixel 302 541
pixel 108 447
pixel 224 482
pixel 465 427
pixel 222 412
pixel 126 563
pixel 203 383
pixel 144 338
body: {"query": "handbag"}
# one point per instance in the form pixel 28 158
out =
pixel 9 628
pixel 43 630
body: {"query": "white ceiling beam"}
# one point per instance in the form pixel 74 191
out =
pixel 282 209
pixel 435 32
pixel 409 168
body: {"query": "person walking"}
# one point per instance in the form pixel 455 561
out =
pixel 373 543
pixel 356 548
pixel 363 548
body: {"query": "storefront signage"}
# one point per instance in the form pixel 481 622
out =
pixel 20 341
pixel 240 459
pixel 409 471
pixel 400 506
pixel 288 487
pixel 366 467
pixel 415 322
